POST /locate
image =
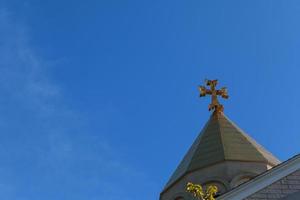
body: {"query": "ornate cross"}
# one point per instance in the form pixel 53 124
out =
pixel 215 105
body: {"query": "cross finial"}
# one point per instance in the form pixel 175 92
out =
pixel 215 105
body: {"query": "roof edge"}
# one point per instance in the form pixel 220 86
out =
pixel 266 154
pixel 263 180
pixel 190 149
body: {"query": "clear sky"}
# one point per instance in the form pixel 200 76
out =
pixel 99 98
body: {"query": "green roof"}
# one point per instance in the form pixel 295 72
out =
pixel 221 140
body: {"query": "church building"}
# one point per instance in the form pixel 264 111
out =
pixel 223 155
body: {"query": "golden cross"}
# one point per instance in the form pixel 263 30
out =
pixel 215 105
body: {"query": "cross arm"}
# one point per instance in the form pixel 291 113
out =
pixel 204 91
pixel 223 93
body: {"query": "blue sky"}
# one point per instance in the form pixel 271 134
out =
pixel 99 99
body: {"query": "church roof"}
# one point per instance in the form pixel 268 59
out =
pixel 221 140
pixel 268 178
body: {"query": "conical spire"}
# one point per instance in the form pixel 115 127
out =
pixel 221 140
pixel 222 153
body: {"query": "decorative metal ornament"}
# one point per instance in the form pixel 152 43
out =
pixel 197 191
pixel 215 105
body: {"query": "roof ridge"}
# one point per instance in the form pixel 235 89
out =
pixel 266 155
pixel 186 158
pixel 221 133
pixel 200 137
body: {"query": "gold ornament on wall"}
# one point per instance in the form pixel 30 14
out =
pixel 197 191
